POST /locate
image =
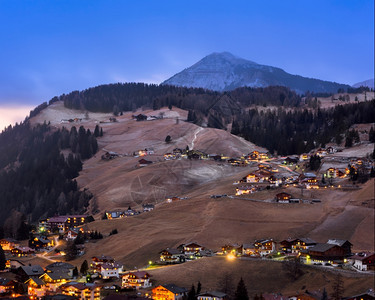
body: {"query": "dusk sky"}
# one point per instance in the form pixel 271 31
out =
pixel 54 47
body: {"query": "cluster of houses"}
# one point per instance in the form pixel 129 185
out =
pixel 14 247
pixel 61 224
pixel 116 214
pixel 56 278
pixel 106 267
pixel 333 252
pixel 184 252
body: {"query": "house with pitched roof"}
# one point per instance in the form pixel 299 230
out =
pixel 83 291
pixel 169 292
pixel 36 287
pixel 212 295
pixel 172 256
pixel 8 244
pixel 6 285
pixel 363 261
pixel 136 280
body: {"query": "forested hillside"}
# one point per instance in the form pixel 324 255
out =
pixel 36 179
pixel 286 131
pixel 299 131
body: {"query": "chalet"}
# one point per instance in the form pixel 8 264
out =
pixel 237 162
pixel 249 250
pixel 196 154
pixel 326 252
pixel 97 261
pixel 169 291
pixel 275 180
pixel 263 174
pixel 130 212
pixel 191 249
pixel 144 163
pixel 309 180
pixel 363 261
pixel 235 249
pixel 369 295
pixel 321 152
pixel 172 199
pixel 253 155
pixel 6 285
pixel 140 117
pixel 72 234
pixel 139 279
pixel 106 266
pixel 82 291
pixel 8 244
pixel 204 253
pixel 283 197
pixel 302 244
pixel 334 173
pixel 39 243
pixel 303 296
pixel 54 279
pixel 114 214
pixel 212 295
pixel 263 155
pixel 109 155
pixel 304 157
pixel 26 272
pixel 61 267
pixel 36 287
pixel 344 244
pixel 296 245
pixel 265 247
pixel 244 190
pixel 14 264
pixel 22 251
pixel 111 270
pixel 63 223
pixel 331 150
pixel 172 256
pixel 150 151
pixel 169 156
pixel 148 207
pixel 252 178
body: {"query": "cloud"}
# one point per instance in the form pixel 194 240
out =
pixel 9 115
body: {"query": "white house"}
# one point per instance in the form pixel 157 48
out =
pixel 363 261
pixel 110 270
pixel 139 279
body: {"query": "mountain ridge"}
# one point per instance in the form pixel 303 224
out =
pixel 223 71
pixel 366 83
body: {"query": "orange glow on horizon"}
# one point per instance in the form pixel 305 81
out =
pixel 10 114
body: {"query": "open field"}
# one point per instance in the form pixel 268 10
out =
pixel 259 276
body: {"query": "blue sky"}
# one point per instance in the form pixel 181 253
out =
pixel 52 47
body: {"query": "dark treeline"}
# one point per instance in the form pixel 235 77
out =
pixel 36 179
pixel 298 131
pixel 214 108
pixel 130 96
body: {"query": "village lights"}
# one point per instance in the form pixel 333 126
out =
pixel 231 256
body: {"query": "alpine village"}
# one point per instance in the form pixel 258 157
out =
pixel 165 192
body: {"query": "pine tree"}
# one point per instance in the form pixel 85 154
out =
pixel 2 259
pixel 75 272
pixel 199 288
pixel 337 287
pixel 96 131
pixel 241 292
pixel 191 293
pixel 324 295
